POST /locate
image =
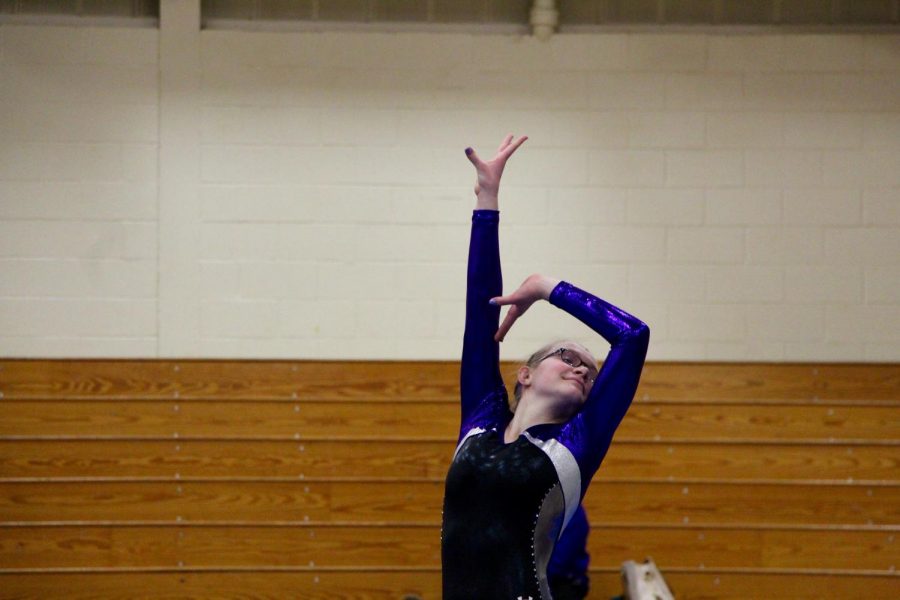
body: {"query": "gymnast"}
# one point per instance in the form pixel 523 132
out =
pixel 517 479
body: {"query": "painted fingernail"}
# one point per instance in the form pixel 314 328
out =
pixel 469 151
pixel 492 302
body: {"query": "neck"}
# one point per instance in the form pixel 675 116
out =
pixel 529 413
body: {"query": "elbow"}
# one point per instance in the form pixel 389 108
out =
pixel 639 336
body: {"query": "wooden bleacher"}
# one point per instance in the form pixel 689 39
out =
pixel 277 479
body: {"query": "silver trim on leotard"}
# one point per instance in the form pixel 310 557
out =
pixel 473 431
pixel 566 469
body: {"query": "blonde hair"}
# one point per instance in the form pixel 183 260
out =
pixel 531 363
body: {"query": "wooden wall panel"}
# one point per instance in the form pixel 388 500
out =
pixel 280 479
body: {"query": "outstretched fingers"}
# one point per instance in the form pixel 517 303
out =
pixel 511 147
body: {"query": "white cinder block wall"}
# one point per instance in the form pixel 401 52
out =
pixel 740 193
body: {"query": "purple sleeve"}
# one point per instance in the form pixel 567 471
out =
pixel 480 372
pixel 590 433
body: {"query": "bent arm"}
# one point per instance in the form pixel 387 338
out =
pixel 614 389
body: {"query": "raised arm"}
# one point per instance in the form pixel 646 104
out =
pixel 480 372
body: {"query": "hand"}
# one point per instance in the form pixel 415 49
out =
pixel 535 287
pixel 487 185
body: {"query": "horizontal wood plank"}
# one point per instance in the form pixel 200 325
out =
pixel 411 546
pixel 416 381
pixel 429 460
pixel 391 585
pixel 426 421
pixel 420 502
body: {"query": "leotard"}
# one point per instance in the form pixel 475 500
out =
pixel 505 505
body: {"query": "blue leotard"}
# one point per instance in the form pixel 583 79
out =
pixel 505 505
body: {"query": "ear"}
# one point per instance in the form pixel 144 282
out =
pixel 523 375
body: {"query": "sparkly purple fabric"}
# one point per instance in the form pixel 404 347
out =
pixel 483 396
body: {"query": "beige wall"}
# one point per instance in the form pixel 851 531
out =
pixel 306 194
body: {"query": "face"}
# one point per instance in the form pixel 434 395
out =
pixel 560 378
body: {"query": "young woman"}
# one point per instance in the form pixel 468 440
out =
pixel 517 479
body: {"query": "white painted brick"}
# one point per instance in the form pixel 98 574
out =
pixel 882 285
pixel 552 243
pixel 406 88
pixel 881 352
pixel 280 164
pixel 77 201
pixel 345 280
pixel 670 283
pixel 844 168
pixel 83 83
pixel 627 167
pixel 744 284
pixel 824 351
pixel 857 323
pixel 823 130
pixel 822 206
pixel 278 280
pixel 747 206
pixel 78 278
pixel 666 130
pixel 60 162
pixel 783 91
pixel 706 323
pixel 451 206
pixel 881 206
pixel 824 52
pixel 398 243
pixel 495 89
pixel 745 130
pixel 589 51
pixel 440 281
pixel 450 317
pixel 592 205
pixel 303 242
pixel 80 347
pixel 262 125
pixel 249 86
pixel 746 53
pixel 665 206
pixel 882 130
pixel 44 122
pixel 882 168
pixel 256 348
pixel 229 48
pixel 823 285
pixel 786 323
pixel 655 313
pixel 666 52
pixel 349 204
pixel 773 168
pixel 375 127
pixel 873 91
pixel 676 350
pixel 59 239
pixel 703 91
pixel 627 244
pixel 707 245
pixel 607 129
pixel 609 282
pixel 240 319
pixel 262 203
pixel 412 50
pixel 384 319
pixel 120 46
pixel 78 317
pixel 704 168
pixel 785 245
pixel 139 162
pixel 550 167
pixel 334 319
pixel 882 53
pixel 219 280
pixel 753 350
pixel 631 91
pixel 862 246
pixel 244 241
pixel 35 45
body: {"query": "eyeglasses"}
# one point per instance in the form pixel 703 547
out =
pixel 571 358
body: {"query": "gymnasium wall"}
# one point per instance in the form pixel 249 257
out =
pixel 186 193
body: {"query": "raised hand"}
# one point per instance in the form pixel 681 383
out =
pixel 487 185
pixel 535 287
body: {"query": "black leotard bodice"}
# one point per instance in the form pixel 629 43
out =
pixel 507 509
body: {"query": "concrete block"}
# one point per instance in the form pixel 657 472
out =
pixel 862 246
pixel 77 318
pixel 666 52
pixel 745 284
pixel 56 278
pixel 749 351
pixel 68 239
pixel 745 130
pixel 785 245
pixel 632 91
pixel 823 130
pixel 278 280
pixel 37 45
pixel 783 168
pixel 240 319
pixel 822 206
pixel 703 91
pixel 704 168
pixel 823 285
pixel 866 92
pixel 881 131
pixel 706 323
pixel 667 283
pixel 881 206
pixel 661 206
pixel 666 130
pixel 827 351
pixel 706 245
pixel 219 280
pixel 586 205
pixel 786 323
pixel 881 53
pixel 627 244
pixel 783 91
pixel 863 323
pixel 294 125
pixel 824 52
pixel 743 206
pixel 627 167
pixel 746 53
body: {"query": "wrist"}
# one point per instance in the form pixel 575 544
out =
pixel 486 202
